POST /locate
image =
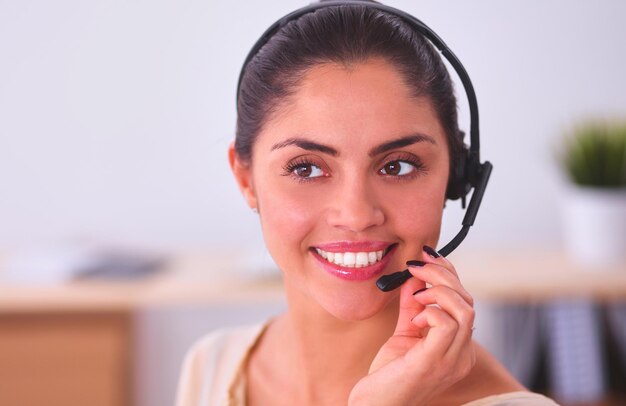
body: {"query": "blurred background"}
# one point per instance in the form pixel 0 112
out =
pixel 123 237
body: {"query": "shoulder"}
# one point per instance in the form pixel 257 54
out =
pixel 490 384
pixel 212 362
pixel 222 344
pixel 521 398
pixel 493 385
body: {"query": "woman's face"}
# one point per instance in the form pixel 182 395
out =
pixel 351 167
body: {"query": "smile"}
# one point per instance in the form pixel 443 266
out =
pixel 354 261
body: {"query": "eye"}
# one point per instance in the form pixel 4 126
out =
pixel 307 170
pixel 397 168
pixel 303 169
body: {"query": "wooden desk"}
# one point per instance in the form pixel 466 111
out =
pixel 187 279
pixel 72 344
pixel 536 275
pixel 191 278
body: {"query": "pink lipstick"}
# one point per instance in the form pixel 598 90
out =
pixel 359 273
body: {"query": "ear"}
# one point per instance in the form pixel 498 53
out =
pixel 243 176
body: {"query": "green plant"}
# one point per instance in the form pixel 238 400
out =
pixel 594 154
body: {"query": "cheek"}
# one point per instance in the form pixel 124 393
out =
pixel 416 212
pixel 418 215
pixel 288 215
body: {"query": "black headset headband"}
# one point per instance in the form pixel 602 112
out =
pixel 415 24
pixel 474 173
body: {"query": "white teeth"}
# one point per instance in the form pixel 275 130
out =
pixel 323 254
pixel 351 259
pixel 362 259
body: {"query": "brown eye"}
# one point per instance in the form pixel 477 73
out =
pixel 392 168
pixel 303 171
pixel 397 168
pixel 307 171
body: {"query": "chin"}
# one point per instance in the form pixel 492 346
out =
pixel 355 306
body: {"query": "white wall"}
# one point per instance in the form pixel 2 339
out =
pixel 115 116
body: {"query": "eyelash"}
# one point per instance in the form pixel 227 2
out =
pixel 291 166
pixel 419 167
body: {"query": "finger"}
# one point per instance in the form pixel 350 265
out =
pixel 442 329
pixel 437 275
pixel 409 307
pixel 432 256
pixel 452 303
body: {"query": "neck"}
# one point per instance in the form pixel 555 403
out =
pixel 330 354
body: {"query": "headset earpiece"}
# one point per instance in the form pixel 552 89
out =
pixel 459 184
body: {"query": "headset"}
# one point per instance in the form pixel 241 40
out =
pixel 469 172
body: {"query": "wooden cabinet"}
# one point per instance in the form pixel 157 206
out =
pixel 65 359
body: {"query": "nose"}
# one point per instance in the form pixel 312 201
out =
pixel 355 207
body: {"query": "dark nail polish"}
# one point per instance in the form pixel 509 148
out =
pixel 419 290
pixel 414 262
pixel 431 252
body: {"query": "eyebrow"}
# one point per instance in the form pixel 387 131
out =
pixel 306 144
pixel 387 146
pixel 402 142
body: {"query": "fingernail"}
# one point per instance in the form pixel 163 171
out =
pixel 431 252
pixel 415 263
pixel 418 291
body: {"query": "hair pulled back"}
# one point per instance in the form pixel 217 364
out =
pixel 347 34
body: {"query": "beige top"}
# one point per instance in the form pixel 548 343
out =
pixel 212 373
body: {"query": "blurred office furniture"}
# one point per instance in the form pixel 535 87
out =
pixel 119 342
pixel 108 342
pixel 575 350
pixel 568 337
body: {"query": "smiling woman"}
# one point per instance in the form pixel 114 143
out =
pixel 346 138
pixel 355 174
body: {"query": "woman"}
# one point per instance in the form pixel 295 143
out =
pixel 346 135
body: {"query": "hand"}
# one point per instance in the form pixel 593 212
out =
pixel 431 347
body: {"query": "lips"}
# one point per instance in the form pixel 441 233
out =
pixel 354 261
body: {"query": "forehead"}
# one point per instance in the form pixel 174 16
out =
pixel 364 103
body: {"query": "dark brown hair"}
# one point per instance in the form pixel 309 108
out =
pixel 346 34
